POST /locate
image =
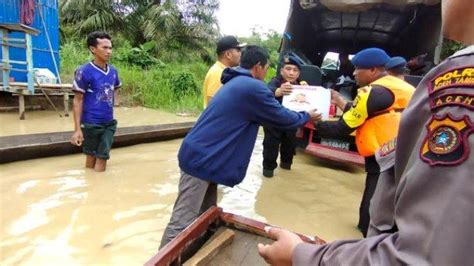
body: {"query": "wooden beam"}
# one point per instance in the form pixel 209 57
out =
pixel 171 252
pixel 221 239
pixel 22 106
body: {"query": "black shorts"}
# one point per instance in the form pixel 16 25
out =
pixel 98 138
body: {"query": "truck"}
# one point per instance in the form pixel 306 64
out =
pixel 315 28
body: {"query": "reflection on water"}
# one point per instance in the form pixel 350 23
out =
pixel 49 121
pixel 55 212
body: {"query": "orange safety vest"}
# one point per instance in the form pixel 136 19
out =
pixel 381 127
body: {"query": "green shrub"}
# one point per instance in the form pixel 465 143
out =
pixel 140 56
pixel 182 83
pixel 173 87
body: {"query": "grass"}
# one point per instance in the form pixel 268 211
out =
pixel 172 87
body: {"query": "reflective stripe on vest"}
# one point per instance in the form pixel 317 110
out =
pixel 383 126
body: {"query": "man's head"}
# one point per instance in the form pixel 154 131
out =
pixel 369 65
pixel 396 66
pixel 458 20
pixel 255 59
pixel 290 71
pixel 228 51
pixel 100 45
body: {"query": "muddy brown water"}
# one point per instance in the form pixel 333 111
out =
pixel 50 121
pixel 55 212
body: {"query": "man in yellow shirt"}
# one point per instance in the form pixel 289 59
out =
pixel 228 55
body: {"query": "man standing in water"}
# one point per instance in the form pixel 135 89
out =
pixel 217 150
pixel 95 86
pixel 374 115
pixel 228 55
pixel 278 140
pixel 432 183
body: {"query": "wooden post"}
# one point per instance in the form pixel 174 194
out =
pixel 6 59
pixel 29 64
pixel 66 102
pixel 21 99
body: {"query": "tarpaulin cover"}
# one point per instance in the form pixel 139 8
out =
pixel 361 5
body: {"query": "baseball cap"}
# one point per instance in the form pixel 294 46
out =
pixel 228 42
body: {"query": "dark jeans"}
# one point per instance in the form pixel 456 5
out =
pixel 278 140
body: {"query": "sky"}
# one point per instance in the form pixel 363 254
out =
pixel 238 17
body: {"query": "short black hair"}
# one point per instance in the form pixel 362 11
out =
pixel 253 55
pixel 93 36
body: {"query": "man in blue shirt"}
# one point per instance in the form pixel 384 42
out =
pixel 95 85
pixel 217 150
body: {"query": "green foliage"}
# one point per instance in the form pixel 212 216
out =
pixel 162 48
pixel 173 87
pixel 185 26
pixel 140 56
pixel 270 41
pixel 270 74
pixel 450 47
pixel 182 83
pixel 73 54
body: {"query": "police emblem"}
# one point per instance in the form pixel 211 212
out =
pixel 447 141
pixel 444 140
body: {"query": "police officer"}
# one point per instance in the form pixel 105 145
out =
pixel 431 186
pixel 280 140
pixel 374 115
pixel 397 66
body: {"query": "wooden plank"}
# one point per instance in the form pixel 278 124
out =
pixel 258 228
pixel 24 147
pixel 221 239
pixel 45 85
pixel 16 108
pixel 243 251
pixel 171 252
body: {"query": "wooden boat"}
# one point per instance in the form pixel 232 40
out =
pixel 234 242
pixel 24 147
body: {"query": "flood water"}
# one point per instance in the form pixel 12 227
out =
pixel 55 212
pixel 50 121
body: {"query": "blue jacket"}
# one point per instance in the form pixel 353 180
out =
pixel 219 146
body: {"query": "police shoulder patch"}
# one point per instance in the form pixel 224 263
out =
pixel 460 99
pixel 446 142
pixel 457 77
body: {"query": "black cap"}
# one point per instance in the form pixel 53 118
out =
pixel 291 60
pixel 228 42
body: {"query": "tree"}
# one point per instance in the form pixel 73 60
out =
pixel 186 25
